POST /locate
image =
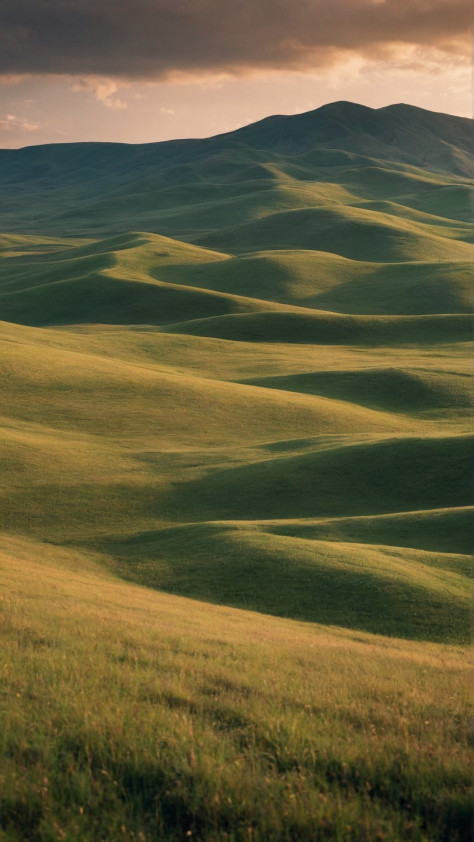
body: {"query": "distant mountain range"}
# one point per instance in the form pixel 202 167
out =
pixel 341 155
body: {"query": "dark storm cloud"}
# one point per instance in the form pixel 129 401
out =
pixel 156 38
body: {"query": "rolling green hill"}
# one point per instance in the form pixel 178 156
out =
pixel 236 371
pixel 285 337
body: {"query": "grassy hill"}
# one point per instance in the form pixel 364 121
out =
pixel 141 715
pixel 235 504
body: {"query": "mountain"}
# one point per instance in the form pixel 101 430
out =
pixel 392 133
pixel 340 154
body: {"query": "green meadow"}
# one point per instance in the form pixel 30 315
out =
pixel 236 507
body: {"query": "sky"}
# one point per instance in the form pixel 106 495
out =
pixel 140 71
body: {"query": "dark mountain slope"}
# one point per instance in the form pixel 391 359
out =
pixel 446 140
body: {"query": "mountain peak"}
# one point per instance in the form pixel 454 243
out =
pixel 373 132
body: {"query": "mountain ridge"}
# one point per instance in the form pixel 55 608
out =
pixel 185 189
pixel 326 108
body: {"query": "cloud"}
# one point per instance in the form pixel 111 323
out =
pixel 163 39
pixel 12 78
pixel 102 89
pixel 11 123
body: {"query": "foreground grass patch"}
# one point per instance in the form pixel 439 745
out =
pixel 129 714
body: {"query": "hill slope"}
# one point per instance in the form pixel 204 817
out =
pixel 140 714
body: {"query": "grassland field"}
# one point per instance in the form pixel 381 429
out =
pixel 235 510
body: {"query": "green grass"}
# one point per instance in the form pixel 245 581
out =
pixel 235 502
pixel 353 233
pixel 139 715
pixel 311 278
pixel 319 328
pixel 400 592
pixel 392 389
pixel 442 530
pixel 391 475
pixel 146 279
